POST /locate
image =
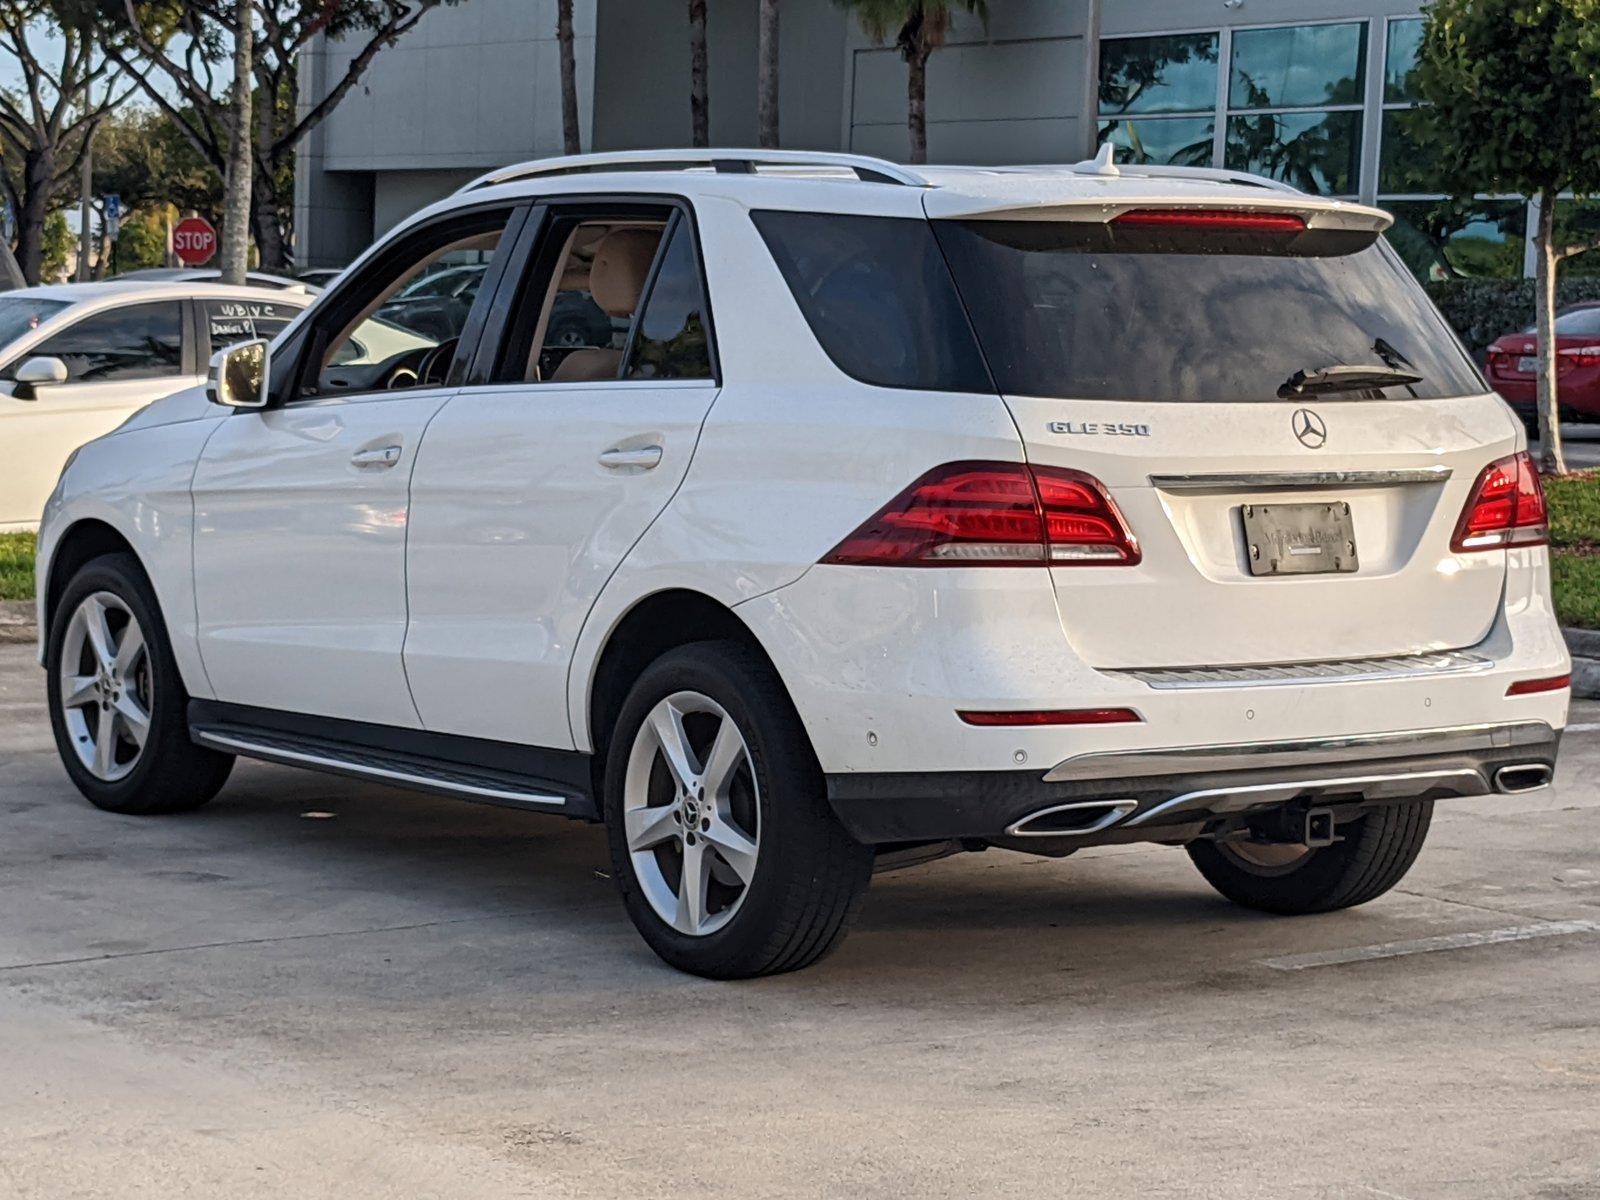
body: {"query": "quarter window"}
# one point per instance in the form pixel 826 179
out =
pixel 143 341
pixel 671 341
pixel 229 321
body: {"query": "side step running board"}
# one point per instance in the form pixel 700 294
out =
pixel 459 780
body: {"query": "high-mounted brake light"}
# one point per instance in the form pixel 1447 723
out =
pixel 1506 508
pixel 1218 220
pixel 989 514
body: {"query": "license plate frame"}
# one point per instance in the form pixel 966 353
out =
pixel 1299 539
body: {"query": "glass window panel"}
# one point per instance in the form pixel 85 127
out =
pixel 1179 141
pixel 1298 67
pixel 1444 239
pixel 1400 65
pixel 671 341
pixel 1316 152
pixel 140 342
pixel 1405 165
pixel 1578 223
pixel 1177 73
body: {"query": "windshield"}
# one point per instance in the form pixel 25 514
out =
pixel 1065 308
pixel 23 314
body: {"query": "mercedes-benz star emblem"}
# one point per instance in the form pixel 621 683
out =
pixel 1308 427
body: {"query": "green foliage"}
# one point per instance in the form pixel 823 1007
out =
pixel 1481 310
pixel 1575 554
pixel 1513 94
pixel 1575 510
pixel 59 243
pixel 16 566
pixel 1576 579
pixel 142 156
pixel 143 240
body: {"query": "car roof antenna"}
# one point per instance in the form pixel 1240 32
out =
pixel 1101 164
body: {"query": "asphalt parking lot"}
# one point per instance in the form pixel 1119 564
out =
pixel 317 988
pixel 1582 446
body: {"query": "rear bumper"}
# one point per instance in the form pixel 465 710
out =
pixel 1173 794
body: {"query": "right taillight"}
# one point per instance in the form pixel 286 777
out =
pixel 1506 508
pixel 987 514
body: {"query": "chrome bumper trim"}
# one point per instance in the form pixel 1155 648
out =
pixel 1460 781
pixel 1457 739
pixel 1349 670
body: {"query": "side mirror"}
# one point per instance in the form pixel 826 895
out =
pixel 36 373
pixel 239 375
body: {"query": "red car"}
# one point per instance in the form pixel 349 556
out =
pixel 1513 365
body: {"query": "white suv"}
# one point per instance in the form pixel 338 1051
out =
pixel 793 514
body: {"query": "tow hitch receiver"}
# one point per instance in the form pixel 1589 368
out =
pixel 1295 825
pixel 1319 827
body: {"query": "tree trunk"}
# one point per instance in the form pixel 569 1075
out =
pixel 266 222
pixel 767 75
pixel 917 101
pixel 1551 459
pixel 569 79
pixel 236 203
pixel 38 174
pixel 86 207
pixel 699 99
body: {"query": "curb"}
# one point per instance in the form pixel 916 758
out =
pixel 16 621
pixel 1584 645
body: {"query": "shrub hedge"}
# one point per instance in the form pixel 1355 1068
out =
pixel 1483 309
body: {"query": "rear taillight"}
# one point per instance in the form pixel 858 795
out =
pixel 1214 219
pixel 987 514
pixel 1506 508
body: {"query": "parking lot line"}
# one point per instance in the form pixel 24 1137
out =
pixel 1448 941
pixel 1585 727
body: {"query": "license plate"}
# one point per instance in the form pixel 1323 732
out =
pixel 1528 364
pixel 1299 539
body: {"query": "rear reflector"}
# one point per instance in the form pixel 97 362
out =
pixel 1506 508
pixel 1053 716
pixel 989 514
pixel 1529 687
pixel 1215 219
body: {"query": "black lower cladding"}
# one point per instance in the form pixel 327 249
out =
pixel 934 806
pixel 448 764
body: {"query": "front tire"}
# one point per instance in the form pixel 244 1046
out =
pixel 1372 855
pixel 118 708
pixel 729 860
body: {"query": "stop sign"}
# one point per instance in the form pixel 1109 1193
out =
pixel 194 240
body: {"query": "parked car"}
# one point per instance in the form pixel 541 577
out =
pixel 893 512
pixel 77 359
pixel 1514 366
pixel 213 275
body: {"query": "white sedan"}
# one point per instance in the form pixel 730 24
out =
pixel 77 359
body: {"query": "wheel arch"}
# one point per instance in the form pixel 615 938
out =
pixel 84 540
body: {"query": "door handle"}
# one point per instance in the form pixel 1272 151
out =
pixel 641 458
pixel 378 456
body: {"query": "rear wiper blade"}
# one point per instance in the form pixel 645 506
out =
pixel 1328 380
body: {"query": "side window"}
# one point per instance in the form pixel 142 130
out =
pixel 595 289
pixel 398 325
pixel 141 341
pixel 671 341
pixel 229 321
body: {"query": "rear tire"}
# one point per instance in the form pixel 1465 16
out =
pixel 743 810
pixel 1372 855
pixel 118 707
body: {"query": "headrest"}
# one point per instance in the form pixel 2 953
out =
pixel 621 265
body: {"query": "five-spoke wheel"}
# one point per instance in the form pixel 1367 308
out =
pixel 105 686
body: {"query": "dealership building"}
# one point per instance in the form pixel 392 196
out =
pixel 1315 92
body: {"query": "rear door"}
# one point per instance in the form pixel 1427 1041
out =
pixel 1276 525
pixel 537 478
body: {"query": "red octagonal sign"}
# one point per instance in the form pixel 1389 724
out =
pixel 194 240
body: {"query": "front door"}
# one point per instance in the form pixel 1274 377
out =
pixel 531 488
pixel 117 361
pixel 301 509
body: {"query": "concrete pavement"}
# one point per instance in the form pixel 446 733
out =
pixel 318 988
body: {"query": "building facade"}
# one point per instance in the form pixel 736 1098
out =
pixel 1312 91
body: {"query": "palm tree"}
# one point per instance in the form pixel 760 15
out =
pixel 699 103
pixel 237 183
pixel 922 27
pixel 767 74
pixel 569 79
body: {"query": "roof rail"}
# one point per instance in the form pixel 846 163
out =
pixel 742 162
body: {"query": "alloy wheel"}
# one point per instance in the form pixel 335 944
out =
pixel 105 686
pixel 691 813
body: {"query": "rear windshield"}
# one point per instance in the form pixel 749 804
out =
pixel 1065 308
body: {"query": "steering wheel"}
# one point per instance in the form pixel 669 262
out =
pixel 436 363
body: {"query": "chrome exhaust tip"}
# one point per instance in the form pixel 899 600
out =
pixel 1522 777
pixel 1072 820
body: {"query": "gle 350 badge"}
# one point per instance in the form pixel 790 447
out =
pixel 1099 428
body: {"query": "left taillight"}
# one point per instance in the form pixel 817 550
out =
pixel 1506 508
pixel 988 514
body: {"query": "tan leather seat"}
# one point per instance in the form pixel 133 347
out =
pixel 616 281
